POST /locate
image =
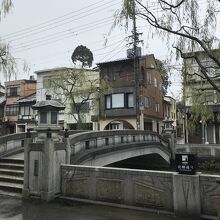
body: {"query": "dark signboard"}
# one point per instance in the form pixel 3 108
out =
pixel 186 163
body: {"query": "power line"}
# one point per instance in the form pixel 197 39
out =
pixel 68 51
pixel 39 26
pixel 82 29
pixel 62 38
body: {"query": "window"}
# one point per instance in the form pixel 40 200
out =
pixel 155 82
pixel 107 101
pixel 149 78
pixel 130 97
pixel 157 107
pixel 146 102
pixel 46 82
pixel 11 110
pixel 26 110
pixel 115 72
pixel 53 119
pixel 118 100
pixel 43 118
pixel 13 91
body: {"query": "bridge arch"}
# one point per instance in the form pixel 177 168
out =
pixel 120 155
pixel 106 147
pixel 119 124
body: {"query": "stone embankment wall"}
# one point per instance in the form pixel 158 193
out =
pixel 201 150
pixel 163 191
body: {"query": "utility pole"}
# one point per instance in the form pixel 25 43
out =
pixel 135 37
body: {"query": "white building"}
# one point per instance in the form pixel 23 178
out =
pixel 198 90
pixel 68 118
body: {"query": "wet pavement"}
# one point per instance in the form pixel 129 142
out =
pixel 16 209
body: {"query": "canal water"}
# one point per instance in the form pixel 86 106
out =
pixel 16 209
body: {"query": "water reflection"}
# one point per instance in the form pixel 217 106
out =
pixel 16 209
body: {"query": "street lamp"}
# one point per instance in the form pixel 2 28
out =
pixel 184 128
pixel 203 131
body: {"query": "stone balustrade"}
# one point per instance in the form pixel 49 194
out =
pixel 98 139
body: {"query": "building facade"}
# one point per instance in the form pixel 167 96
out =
pixel 16 90
pixel 68 117
pixel 170 111
pixel 198 91
pixel 119 107
pixel 27 117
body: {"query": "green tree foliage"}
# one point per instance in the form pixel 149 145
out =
pixel 200 114
pixel 77 87
pixel 164 74
pixel 7 61
pixel 189 27
pixel 5 7
pixel 83 55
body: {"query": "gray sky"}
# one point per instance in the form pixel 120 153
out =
pixel 45 33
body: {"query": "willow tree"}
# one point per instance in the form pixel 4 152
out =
pixel 164 74
pixel 192 25
pixel 189 27
pixel 7 61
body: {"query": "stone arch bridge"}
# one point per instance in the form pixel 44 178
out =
pixel 98 148
pixel 101 148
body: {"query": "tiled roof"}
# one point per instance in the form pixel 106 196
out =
pixel 124 59
pixel 29 98
pixel 48 103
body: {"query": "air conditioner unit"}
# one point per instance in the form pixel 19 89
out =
pixel 19 117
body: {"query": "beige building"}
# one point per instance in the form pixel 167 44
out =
pixel 170 110
pixel 14 91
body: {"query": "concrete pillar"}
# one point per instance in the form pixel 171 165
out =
pixel 68 150
pixel 186 195
pixel 25 190
pixel 48 174
pixel 172 142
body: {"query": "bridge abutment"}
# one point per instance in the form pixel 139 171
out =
pixel 186 195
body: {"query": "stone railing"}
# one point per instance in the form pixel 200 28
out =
pixel 97 139
pixel 10 142
pixel 191 195
pixel 201 150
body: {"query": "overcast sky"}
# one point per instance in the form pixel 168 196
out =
pixel 45 33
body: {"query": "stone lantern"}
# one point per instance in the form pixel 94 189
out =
pixel 168 126
pixel 48 119
pixel 44 153
pixel 169 133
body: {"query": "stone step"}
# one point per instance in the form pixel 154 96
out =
pixel 10 172
pixel 11 166
pixel 11 194
pixel 12 161
pixel 11 179
pixel 11 187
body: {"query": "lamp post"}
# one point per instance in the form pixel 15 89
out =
pixel 184 128
pixel 203 132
